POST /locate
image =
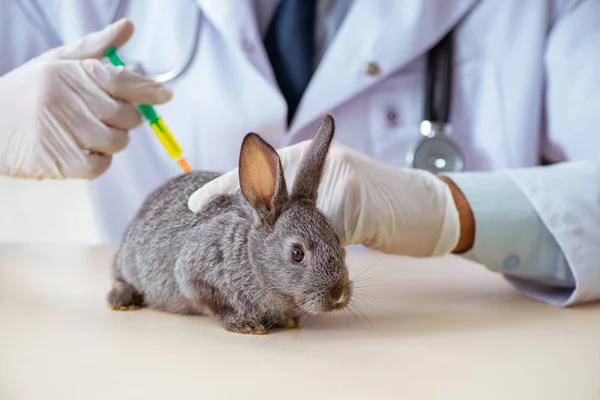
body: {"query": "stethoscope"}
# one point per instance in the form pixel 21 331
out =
pixel 118 9
pixel 436 152
pixel 36 14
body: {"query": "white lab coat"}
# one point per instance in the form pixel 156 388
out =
pixel 526 85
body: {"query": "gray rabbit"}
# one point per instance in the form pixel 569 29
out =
pixel 256 259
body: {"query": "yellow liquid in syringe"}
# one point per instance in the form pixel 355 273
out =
pixel 169 143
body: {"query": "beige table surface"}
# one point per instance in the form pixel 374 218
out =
pixel 436 329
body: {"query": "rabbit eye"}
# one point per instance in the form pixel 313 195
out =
pixel 297 254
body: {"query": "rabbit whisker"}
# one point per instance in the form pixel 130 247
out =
pixel 352 312
pixel 365 295
pixel 360 300
pixel 367 286
pixel 369 283
pixel 345 312
pixel 365 278
pixel 368 268
pixel 360 308
pixel 308 319
pixel 269 341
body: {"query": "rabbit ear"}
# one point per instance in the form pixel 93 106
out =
pixel 261 177
pixel 310 172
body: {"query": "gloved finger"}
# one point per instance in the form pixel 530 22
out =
pixel 80 129
pixel 126 85
pixel 94 44
pixel 226 183
pixel 120 115
pixel 291 155
pixel 108 142
pixel 96 165
pixel 84 165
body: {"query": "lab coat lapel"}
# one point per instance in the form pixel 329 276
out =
pixel 388 33
pixel 236 21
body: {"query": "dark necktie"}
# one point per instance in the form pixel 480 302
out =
pixel 290 45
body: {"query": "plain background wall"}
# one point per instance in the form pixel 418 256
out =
pixel 46 211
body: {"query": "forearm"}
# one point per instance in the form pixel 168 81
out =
pixel 465 214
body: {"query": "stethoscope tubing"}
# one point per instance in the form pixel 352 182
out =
pixel 436 151
pixel 439 61
pixel 118 9
pixel 38 18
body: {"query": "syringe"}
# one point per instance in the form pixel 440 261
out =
pixel 156 123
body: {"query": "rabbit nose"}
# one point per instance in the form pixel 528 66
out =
pixel 337 294
pixel 341 299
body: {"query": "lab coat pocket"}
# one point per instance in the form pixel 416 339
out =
pixel 396 107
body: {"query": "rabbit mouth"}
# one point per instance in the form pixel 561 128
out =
pixel 343 300
pixel 320 303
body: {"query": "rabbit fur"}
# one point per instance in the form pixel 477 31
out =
pixel 256 259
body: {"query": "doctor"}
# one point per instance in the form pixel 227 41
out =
pixel 525 91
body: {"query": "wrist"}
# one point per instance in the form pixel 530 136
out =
pixel 465 215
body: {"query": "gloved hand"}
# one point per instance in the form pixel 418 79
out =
pixel 64 114
pixel 393 210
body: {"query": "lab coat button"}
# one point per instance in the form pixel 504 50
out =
pixel 511 262
pixel 247 46
pixel 372 69
pixel 392 117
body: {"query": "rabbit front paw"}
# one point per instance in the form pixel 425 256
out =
pixel 124 297
pixel 236 324
pixel 123 308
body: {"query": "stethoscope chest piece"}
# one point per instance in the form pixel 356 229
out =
pixel 436 152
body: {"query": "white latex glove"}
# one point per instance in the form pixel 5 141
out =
pixel 64 113
pixel 393 210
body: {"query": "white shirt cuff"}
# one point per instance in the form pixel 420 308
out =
pixel 510 237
